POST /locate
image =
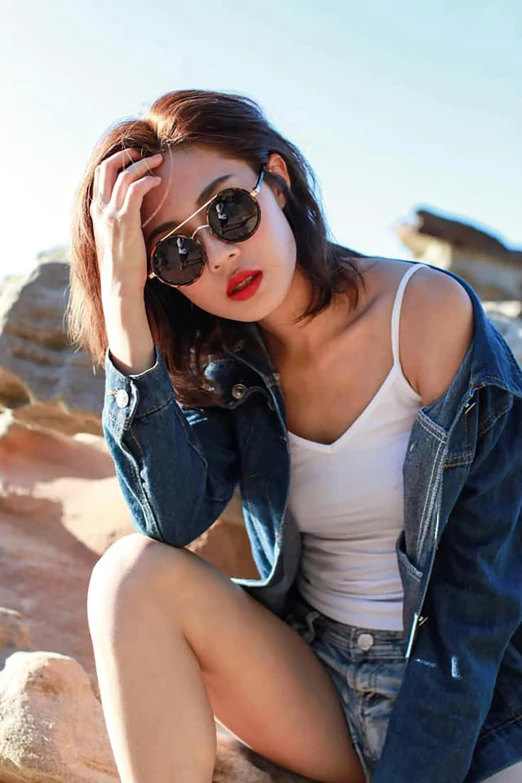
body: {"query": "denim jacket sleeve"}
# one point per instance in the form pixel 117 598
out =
pixel 177 468
pixel 473 608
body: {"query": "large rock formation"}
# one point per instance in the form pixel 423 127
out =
pixel 494 270
pixel 507 317
pixel 51 722
pixel 42 377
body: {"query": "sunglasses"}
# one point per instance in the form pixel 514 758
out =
pixel 232 215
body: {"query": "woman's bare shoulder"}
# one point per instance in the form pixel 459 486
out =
pixel 436 324
pixel 435 333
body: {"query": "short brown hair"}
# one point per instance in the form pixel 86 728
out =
pixel 187 336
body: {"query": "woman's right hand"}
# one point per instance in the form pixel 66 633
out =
pixel 116 215
pixel 122 257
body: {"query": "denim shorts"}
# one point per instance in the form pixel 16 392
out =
pixel 366 667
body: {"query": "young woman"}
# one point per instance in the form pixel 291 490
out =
pixel 372 417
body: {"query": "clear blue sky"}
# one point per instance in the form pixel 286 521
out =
pixel 395 105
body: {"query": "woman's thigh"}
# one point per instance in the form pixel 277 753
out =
pixel 264 682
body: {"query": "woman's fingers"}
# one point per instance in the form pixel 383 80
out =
pixel 136 192
pixel 107 172
pixel 141 168
pixel 108 183
pixel 119 185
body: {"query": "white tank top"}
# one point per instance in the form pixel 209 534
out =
pixel 347 500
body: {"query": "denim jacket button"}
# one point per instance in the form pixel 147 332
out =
pixel 238 391
pixel 122 398
pixel 365 641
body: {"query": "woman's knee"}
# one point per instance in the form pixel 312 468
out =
pixel 132 568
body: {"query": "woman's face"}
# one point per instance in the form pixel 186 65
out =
pixel 271 250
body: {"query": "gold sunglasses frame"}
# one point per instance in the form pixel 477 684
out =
pixel 252 193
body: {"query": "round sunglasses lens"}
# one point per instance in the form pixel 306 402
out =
pixel 234 215
pixel 178 260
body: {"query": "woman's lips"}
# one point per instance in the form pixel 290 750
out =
pixel 246 291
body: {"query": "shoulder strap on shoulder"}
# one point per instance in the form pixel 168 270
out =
pixel 396 313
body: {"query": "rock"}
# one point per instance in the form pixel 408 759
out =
pixel 493 269
pixel 42 377
pixel 51 723
pixel 14 633
pixel 60 509
pixel 464 236
pixel 235 763
pixel 52 726
pixel 507 317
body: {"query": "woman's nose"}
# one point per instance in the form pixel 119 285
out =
pixel 219 253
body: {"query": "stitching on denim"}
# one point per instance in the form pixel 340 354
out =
pixel 156 409
pixel 151 514
pixel 142 495
pixel 459 460
pixel 431 427
pixel 411 568
pixel 492 420
pixel 137 443
pixel 501 382
pixel 494 729
pixel 496 378
pixel 426 502
pixel 431 495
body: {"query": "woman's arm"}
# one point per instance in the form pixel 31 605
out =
pixel 176 481
pixel 177 477
pixel 474 600
pixel 436 329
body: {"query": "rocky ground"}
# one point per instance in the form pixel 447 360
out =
pixel 60 508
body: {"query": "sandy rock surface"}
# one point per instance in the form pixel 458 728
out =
pixel 507 317
pixel 51 722
pixel 42 377
pixel 60 508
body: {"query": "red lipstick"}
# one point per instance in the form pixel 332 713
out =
pixel 243 284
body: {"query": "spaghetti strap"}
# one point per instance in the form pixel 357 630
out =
pixel 396 313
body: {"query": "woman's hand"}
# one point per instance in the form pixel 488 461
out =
pixel 122 257
pixel 116 215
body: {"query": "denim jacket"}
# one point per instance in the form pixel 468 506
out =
pixel 458 715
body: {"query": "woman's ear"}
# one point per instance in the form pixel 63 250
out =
pixel 276 165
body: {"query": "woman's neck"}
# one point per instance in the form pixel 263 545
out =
pixel 301 342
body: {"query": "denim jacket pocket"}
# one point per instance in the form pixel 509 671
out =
pixel 411 579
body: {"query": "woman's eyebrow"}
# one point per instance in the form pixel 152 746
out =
pixel 203 197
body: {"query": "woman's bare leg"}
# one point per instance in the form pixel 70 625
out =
pixel 176 642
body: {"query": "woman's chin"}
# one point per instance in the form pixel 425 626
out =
pixel 259 307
